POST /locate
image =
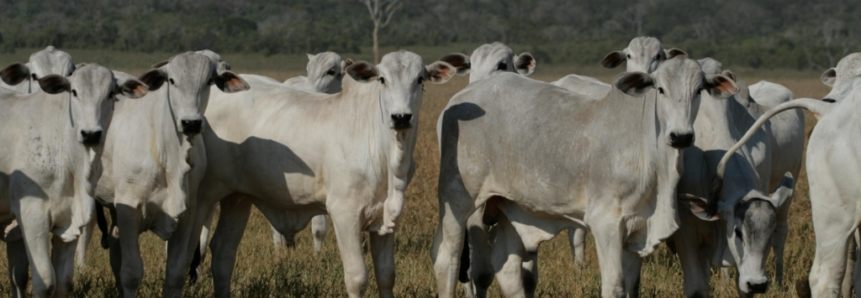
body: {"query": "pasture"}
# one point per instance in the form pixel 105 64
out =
pixel 263 270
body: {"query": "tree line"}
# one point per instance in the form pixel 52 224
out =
pixel 754 33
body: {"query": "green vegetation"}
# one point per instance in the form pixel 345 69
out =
pixel 756 33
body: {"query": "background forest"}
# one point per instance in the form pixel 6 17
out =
pixel 753 33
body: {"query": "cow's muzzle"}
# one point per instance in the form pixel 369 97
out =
pixel 401 121
pixel 91 137
pixel 681 140
pixel 191 127
pixel 757 288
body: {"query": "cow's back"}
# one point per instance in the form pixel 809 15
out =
pixel 588 86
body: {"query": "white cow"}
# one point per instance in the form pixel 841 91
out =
pixel 47 169
pixel 542 159
pixel 296 154
pixel 754 219
pixel 153 162
pixel 42 63
pixel 643 54
pixel 325 73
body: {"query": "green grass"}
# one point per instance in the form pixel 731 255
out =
pixel 262 270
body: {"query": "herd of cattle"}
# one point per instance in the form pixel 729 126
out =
pixel 674 150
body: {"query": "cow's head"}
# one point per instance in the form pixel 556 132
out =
pixel 186 79
pixel 326 72
pixel 401 76
pixel 844 78
pixel 92 89
pixel 643 54
pixel 42 63
pixel 679 82
pixel 490 59
pixel 750 224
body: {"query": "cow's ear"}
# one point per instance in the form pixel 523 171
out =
pixel 720 86
pixel 439 72
pixel 154 78
pixel 783 191
pixel 160 64
pixel 525 64
pixel 697 206
pixel 634 83
pixel 54 84
pixel 132 88
pixel 363 72
pixel 828 77
pixel 459 61
pixel 674 52
pixel 346 63
pixel 310 56
pixel 614 59
pixel 15 74
pixel 229 82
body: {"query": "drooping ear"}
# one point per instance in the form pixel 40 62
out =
pixel 634 83
pixel 697 205
pixel 229 82
pixel 154 78
pixel 363 72
pixel 15 74
pixel 730 74
pixel 674 52
pixel 720 86
pixel 459 61
pixel 160 64
pixel 828 77
pixel 440 72
pixel 614 59
pixel 345 63
pixel 132 88
pixel 54 84
pixel 525 64
pixel 783 191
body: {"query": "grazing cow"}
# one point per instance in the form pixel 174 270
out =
pixel 48 168
pixel 753 223
pixel 643 54
pixel 150 162
pixel 297 154
pixel 489 60
pixel 542 159
pixel 42 63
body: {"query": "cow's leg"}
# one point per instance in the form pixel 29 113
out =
pixel 181 247
pixel 277 238
pixel 63 257
pixel 846 285
pixel 480 267
pixel 84 241
pixel 507 258
pixel 455 206
pixel 319 229
pixel 232 221
pixel 577 240
pixel 19 267
pixel 530 272
pixel 778 241
pixel 632 263
pixel 608 242
pixel 131 271
pixel 115 250
pixel 348 231
pixel 832 230
pixel 206 229
pixel 383 253
pixel 36 229
pixel 694 268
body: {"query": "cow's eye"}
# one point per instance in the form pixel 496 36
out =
pixel 382 80
pixel 172 82
pixel 421 80
pixel 34 77
pixel 661 90
pixel 331 72
pixel 700 90
pixel 628 56
pixel 211 81
pixel 74 93
pixel 501 66
pixel 738 233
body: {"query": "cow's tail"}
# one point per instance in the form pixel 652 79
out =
pixel 102 222
pixel 463 275
pixel 818 107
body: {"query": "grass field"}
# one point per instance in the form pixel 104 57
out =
pixel 263 270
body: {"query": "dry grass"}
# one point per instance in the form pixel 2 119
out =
pixel 265 271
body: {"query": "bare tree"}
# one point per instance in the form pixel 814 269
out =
pixel 381 13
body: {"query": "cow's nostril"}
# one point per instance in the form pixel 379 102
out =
pixel 681 140
pixel 92 137
pixel 829 100
pixel 401 121
pixel 191 126
pixel 758 288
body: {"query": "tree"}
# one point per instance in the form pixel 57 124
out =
pixel 381 13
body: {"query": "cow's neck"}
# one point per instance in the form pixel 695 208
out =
pixel 80 162
pixel 166 122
